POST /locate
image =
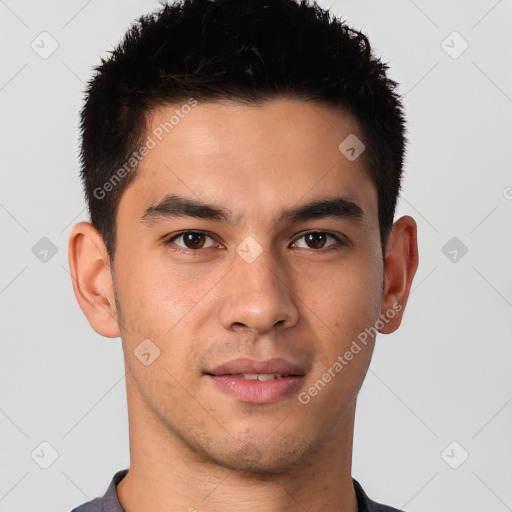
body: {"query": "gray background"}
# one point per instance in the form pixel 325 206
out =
pixel 444 377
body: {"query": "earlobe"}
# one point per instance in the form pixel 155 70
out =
pixel 400 267
pixel 92 282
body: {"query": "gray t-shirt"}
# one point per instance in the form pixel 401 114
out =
pixel 110 503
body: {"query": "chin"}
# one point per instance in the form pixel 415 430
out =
pixel 253 458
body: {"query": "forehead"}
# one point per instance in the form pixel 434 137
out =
pixel 258 158
pixel 276 126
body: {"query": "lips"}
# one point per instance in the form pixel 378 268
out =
pixel 244 366
pixel 258 382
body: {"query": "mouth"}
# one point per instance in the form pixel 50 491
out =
pixel 262 377
pixel 258 382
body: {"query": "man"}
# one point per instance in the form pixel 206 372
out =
pixel 241 162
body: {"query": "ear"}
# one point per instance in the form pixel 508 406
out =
pixel 89 265
pixel 400 267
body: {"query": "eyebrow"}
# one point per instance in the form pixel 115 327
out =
pixel 174 206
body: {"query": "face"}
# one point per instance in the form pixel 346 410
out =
pixel 243 262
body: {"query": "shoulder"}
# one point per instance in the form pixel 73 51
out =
pixel 365 504
pixel 109 501
pixel 95 505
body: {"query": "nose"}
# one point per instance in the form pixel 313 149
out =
pixel 257 296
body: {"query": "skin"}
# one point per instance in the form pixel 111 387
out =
pixel 192 445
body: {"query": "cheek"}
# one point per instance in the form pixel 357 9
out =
pixel 155 294
pixel 347 296
pixel 349 308
pixel 166 305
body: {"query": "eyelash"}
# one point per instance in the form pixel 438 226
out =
pixel 197 252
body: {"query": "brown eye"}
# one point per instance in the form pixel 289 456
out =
pixel 193 240
pixel 317 240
